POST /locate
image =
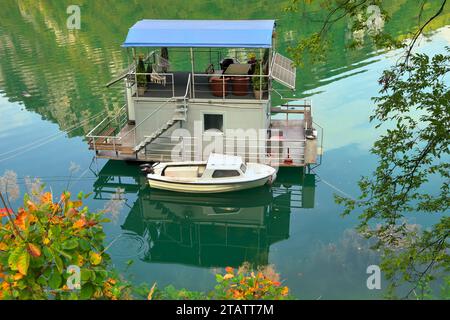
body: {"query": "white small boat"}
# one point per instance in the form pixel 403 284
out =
pixel 221 173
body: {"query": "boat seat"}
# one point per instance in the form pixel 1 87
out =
pixel 181 172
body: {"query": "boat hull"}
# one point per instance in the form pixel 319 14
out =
pixel 206 188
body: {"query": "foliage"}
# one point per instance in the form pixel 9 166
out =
pixel 259 82
pixel 414 152
pixel 248 285
pixel 241 284
pixel 415 100
pixel 44 238
pixel 141 77
pixel 366 20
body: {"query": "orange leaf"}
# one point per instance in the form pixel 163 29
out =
pixel 79 224
pixel 285 291
pixel 3 246
pixel 228 276
pixel 18 276
pixel 31 206
pixel 47 197
pixel 34 250
pixel 21 219
pixel 71 212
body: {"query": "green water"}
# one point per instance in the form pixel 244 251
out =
pixel 52 78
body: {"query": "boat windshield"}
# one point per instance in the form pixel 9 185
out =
pixel 243 168
pixel 225 173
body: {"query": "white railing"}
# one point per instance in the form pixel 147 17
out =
pixel 158 78
pixel 160 121
pixel 251 149
pixel 116 122
pixel 241 85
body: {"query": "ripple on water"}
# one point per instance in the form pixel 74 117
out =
pixel 128 245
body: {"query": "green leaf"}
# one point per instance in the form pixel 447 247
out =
pixel 70 244
pixel 87 290
pixel 59 264
pixel 84 245
pixel 55 280
pixel 85 274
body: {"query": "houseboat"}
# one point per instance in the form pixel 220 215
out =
pixel 196 87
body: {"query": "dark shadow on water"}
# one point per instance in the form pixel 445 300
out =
pixel 214 230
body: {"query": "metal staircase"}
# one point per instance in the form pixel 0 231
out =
pixel 179 115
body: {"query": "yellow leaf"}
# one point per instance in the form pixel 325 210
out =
pixel 23 262
pixel 228 276
pixel 77 204
pixel 3 246
pixel 95 258
pixel 31 206
pixel 152 290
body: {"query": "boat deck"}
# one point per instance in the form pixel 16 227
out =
pixel 288 134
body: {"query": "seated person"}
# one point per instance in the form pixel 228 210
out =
pixel 225 63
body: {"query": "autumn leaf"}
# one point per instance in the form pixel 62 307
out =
pixel 23 262
pixel 79 224
pixel 17 276
pixel 228 276
pixel 31 206
pixel 95 258
pixel 47 198
pixel 21 219
pixel 3 246
pixel 285 291
pixel 34 250
pixel 77 204
pixel 152 290
pixel 229 269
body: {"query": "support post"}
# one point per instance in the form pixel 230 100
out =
pixel 193 71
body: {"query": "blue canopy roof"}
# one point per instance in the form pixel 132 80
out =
pixel 201 33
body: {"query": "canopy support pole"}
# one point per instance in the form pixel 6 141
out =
pixel 193 71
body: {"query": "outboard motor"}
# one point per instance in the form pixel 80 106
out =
pixel 148 168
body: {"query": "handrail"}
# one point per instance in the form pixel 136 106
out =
pixel 188 86
pixel 89 135
pixel 145 119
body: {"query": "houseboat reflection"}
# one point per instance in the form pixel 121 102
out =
pixel 213 230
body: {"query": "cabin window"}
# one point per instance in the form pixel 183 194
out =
pixel 213 122
pixel 225 173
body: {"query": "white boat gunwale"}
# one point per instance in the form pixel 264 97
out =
pixel 249 175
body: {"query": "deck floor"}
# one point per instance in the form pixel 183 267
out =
pixel 292 135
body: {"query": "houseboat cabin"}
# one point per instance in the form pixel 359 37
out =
pixel 194 87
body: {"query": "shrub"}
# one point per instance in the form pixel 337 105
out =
pixel 44 238
pixel 243 284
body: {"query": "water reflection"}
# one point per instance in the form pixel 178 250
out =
pixel 204 230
